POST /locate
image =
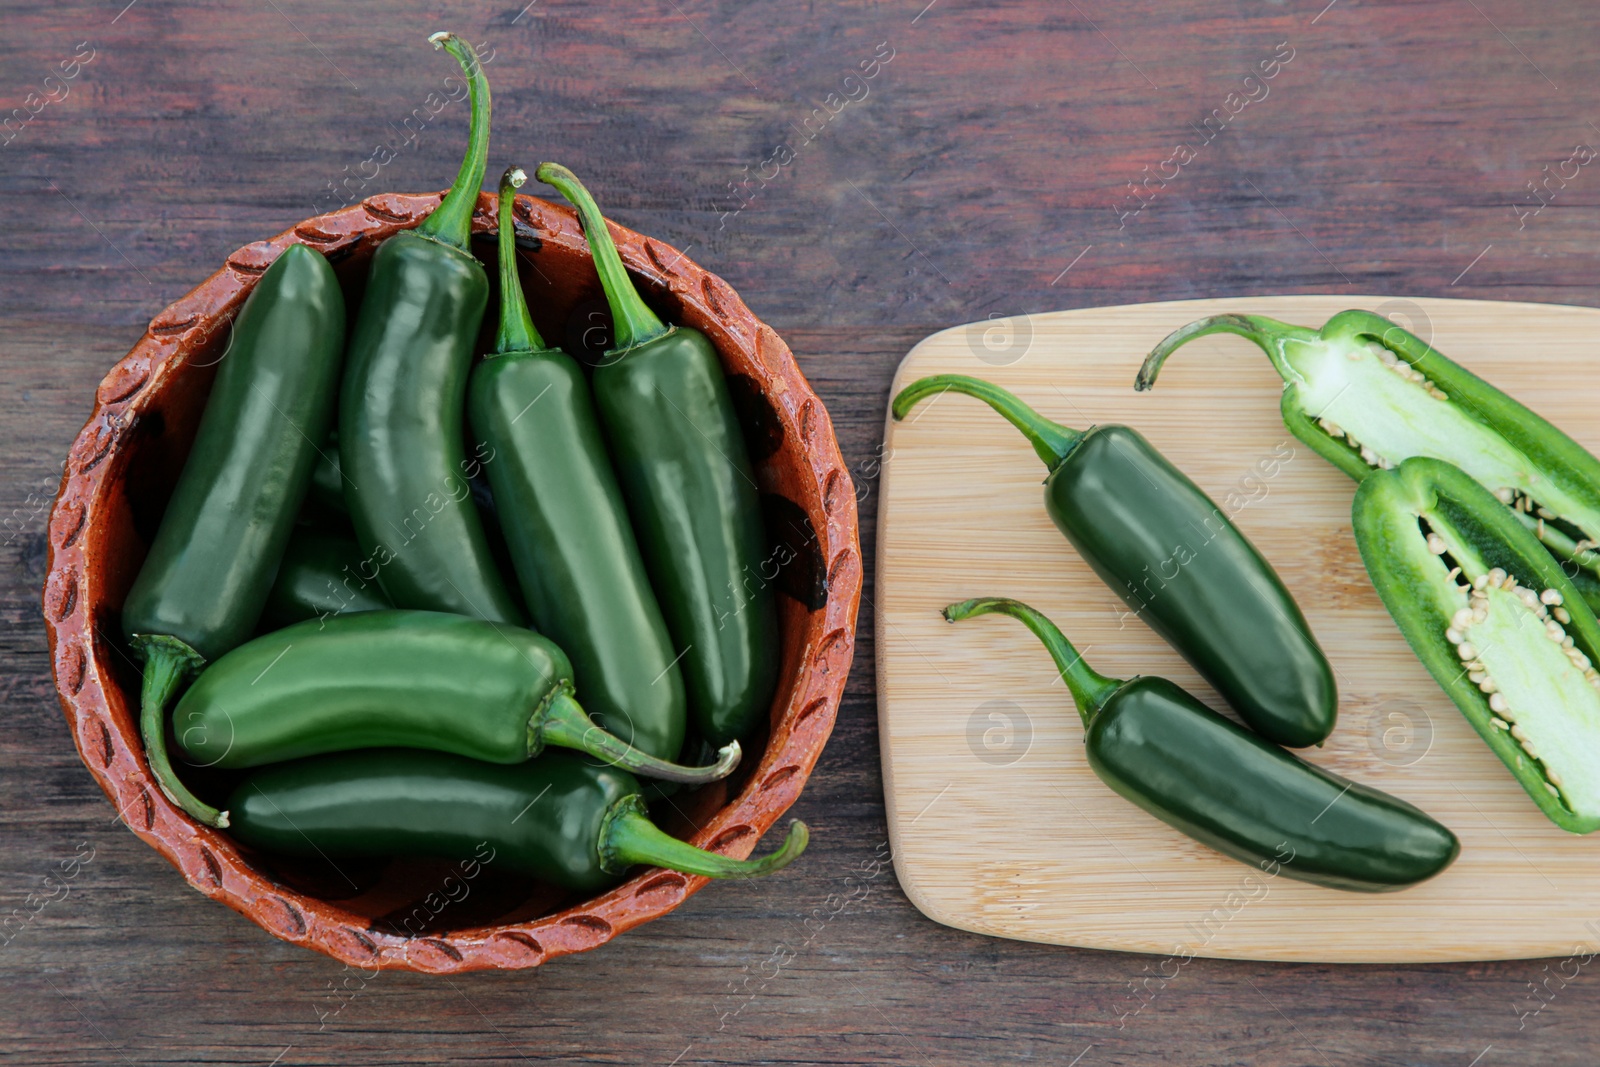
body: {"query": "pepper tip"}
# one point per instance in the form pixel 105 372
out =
pixel 438 39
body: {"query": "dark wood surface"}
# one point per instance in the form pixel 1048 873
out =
pixel 989 155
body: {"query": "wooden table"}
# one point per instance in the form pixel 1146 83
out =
pixel 982 169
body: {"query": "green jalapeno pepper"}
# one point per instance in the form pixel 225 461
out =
pixel 319 577
pixel 566 525
pixel 1171 554
pixel 1227 788
pixel 201 589
pixel 1366 394
pixel 415 679
pixel 691 493
pixel 1497 624
pixel 558 819
pixel 401 435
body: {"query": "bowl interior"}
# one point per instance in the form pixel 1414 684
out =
pixel 801 479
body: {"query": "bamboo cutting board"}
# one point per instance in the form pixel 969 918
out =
pixel 999 826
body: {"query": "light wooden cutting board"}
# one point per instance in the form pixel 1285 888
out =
pixel 997 823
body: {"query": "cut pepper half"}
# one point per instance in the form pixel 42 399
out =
pixel 1366 394
pixel 1497 624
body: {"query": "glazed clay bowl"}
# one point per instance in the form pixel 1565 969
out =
pixel 429 916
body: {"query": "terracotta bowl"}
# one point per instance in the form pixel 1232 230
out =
pixel 429 916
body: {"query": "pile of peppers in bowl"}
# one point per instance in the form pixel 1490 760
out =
pixel 1478 522
pixel 323 611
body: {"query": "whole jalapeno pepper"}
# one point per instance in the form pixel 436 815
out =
pixel 320 576
pixel 1171 554
pixel 1366 394
pixel 1496 622
pixel 401 435
pixel 566 524
pixel 416 679
pixel 691 492
pixel 202 588
pixel 1227 788
pixel 558 819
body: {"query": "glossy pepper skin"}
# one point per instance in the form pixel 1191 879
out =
pixel 1496 622
pixel 319 576
pixel 566 525
pixel 401 434
pixel 558 819
pixel 417 679
pixel 204 584
pixel 1366 394
pixel 1228 788
pixel 1171 554
pixel 691 492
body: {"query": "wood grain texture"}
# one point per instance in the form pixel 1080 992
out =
pixel 975 723
pixel 986 157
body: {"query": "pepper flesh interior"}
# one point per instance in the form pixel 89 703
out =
pixel 1388 411
pixel 1371 402
pixel 1547 699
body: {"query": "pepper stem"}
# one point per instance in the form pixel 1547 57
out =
pixel 168 663
pixel 451 222
pixel 517 332
pixel 1090 690
pixel 561 721
pixel 628 837
pixel 1051 440
pixel 1269 334
pixel 632 321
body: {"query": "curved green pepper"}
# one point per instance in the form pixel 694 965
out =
pixel 203 585
pixel 1170 553
pixel 1227 788
pixel 557 819
pixel 319 576
pixel 691 492
pixel 1497 624
pixel 567 527
pixel 415 679
pixel 401 435
pixel 1366 394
